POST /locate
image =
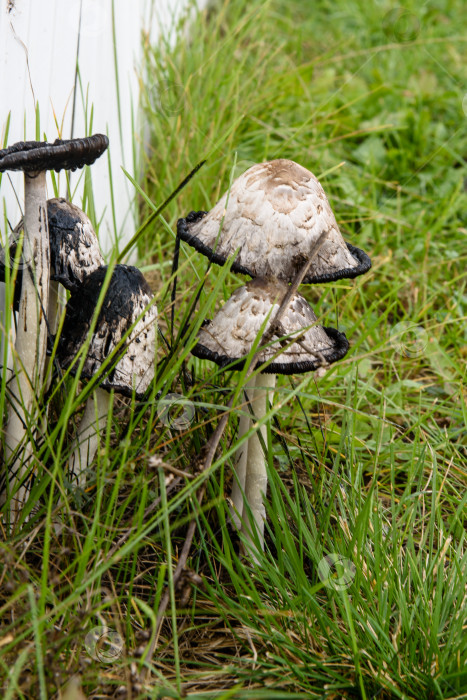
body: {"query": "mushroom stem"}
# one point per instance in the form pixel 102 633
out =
pixel 54 307
pixel 53 317
pixel 86 442
pixel 31 336
pixel 238 486
pixel 256 479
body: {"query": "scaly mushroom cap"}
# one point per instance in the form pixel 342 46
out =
pixel 127 298
pixel 74 248
pixel 36 156
pixel 273 214
pixel 233 330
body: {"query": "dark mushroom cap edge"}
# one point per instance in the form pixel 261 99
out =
pixel 337 352
pixel 80 309
pixel 184 232
pixel 36 156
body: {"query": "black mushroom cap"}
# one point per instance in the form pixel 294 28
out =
pixel 272 215
pixel 36 156
pixel 74 248
pixel 300 346
pixel 126 300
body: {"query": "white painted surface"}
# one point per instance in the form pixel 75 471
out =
pixel 50 36
pixel 41 42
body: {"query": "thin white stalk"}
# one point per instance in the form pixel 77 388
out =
pixel 238 485
pixel 53 319
pixel 31 336
pixel 256 479
pixel 54 307
pixel 87 441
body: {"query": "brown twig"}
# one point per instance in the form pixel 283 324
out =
pixel 292 290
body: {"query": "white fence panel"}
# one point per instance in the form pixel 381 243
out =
pixel 42 43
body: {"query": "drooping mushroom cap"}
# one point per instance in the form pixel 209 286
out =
pixel 234 329
pixel 36 156
pixel 274 212
pixel 74 248
pixel 127 298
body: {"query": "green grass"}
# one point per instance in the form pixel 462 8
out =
pixel 367 462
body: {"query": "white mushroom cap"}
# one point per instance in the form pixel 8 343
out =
pixel 273 214
pixel 127 299
pixel 234 329
pixel 74 248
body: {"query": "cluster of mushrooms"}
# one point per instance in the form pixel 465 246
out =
pixel 269 222
pixel 273 222
pixel 57 246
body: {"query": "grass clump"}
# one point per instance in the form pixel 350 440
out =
pixel 367 464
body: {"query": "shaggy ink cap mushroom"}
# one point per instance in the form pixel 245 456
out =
pixel 74 248
pixel 300 345
pixel 273 214
pixel 36 156
pixel 126 300
pixel 229 337
pixel 126 324
pixel 34 159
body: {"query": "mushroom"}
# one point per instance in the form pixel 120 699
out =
pixel 74 249
pixel 126 324
pixel 272 215
pixel 302 346
pixel 34 159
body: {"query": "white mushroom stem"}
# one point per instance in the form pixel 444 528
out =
pixel 87 441
pixel 256 478
pixel 238 486
pixel 31 336
pixel 53 318
pixel 54 307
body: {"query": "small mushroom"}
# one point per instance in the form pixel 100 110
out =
pixel 302 346
pixel 272 215
pixel 127 324
pixel 34 159
pixel 74 248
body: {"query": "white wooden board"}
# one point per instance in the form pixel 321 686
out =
pixel 41 43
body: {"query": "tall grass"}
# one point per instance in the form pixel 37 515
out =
pixel 367 464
